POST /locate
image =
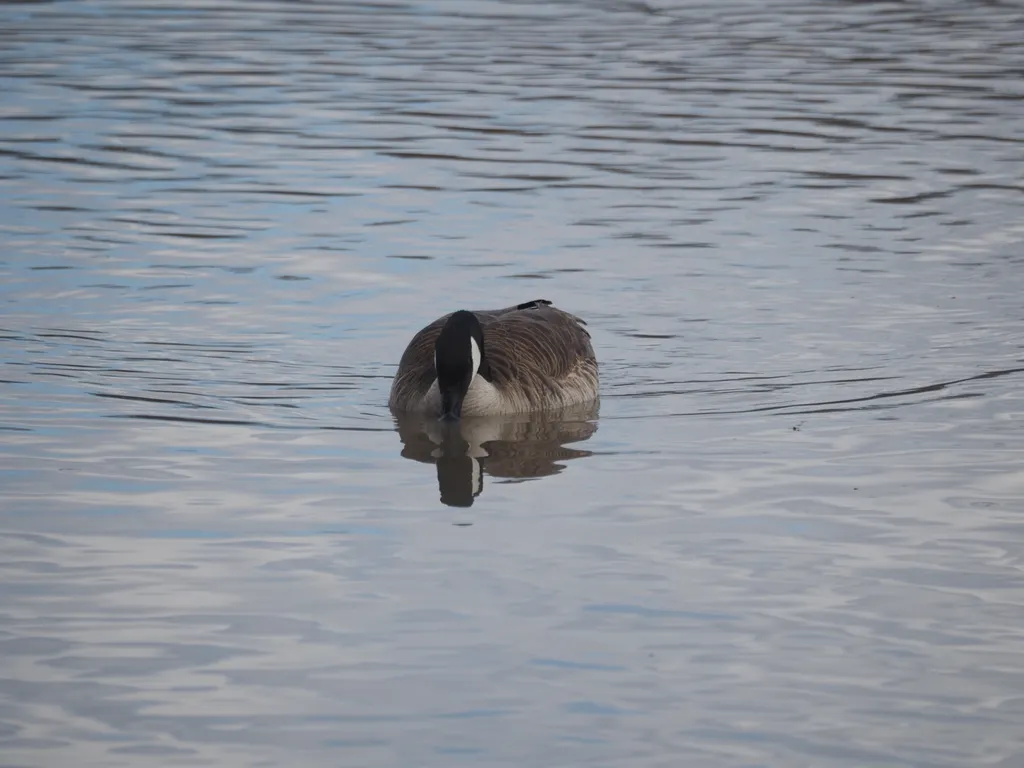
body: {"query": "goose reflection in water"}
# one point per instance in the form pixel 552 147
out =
pixel 523 446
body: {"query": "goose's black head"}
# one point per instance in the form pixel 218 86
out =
pixel 458 356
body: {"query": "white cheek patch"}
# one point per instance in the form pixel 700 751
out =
pixel 474 351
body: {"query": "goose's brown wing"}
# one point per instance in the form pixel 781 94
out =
pixel 538 352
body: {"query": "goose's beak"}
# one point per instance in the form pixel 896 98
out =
pixel 451 406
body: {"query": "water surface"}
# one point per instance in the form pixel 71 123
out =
pixel 791 536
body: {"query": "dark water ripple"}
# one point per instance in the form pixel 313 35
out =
pixel 790 538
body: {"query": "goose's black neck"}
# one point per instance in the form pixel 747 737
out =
pixel 459 355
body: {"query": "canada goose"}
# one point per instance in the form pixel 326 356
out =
pixel 529 357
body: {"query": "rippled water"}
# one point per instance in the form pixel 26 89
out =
pixel 791 537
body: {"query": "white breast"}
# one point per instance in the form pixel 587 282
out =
pixel 482 399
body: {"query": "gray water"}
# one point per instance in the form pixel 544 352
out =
pixel 791 536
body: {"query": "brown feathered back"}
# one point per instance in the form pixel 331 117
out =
pixel 539 358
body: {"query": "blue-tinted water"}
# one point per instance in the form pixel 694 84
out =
pixel 792 535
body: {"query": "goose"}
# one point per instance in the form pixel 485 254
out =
pixel 529 357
